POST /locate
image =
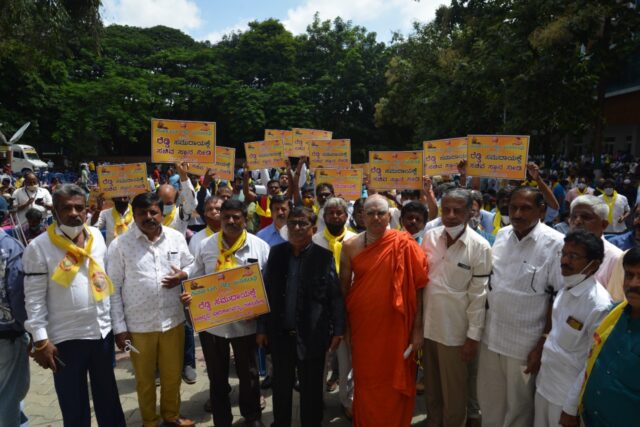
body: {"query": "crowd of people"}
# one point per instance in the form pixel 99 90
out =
pixel 505 303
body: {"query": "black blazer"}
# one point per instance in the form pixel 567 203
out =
pixel 320 311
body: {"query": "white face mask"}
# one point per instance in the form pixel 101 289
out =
pixel 455 231
pixel 506 220
pixel 474 222
pixel 575 279
pixel 582 186
pixel 72 231
pixel 32 187
pixel 608 191
pixel 167 209
pixel 406 202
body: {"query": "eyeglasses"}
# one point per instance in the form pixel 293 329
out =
pixel 303 225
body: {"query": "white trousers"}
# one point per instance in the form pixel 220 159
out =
pixel 345 374
pixel 505 393
pixel 546 413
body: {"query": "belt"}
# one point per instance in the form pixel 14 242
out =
pixel 10 335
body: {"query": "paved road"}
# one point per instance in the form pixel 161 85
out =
pixel 41 404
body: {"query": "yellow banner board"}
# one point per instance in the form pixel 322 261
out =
pixel 226 297
pixel 347 183
pixel 400 170
pixel 498 156
pixel 301 138
pixel 182 141
pixel 330 154
pixel 264 154
pixel 122 180
pixel 442 156
pixel 223 167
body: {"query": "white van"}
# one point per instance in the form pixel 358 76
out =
pixel 25 158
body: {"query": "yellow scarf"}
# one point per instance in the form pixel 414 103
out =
pixel 208 231
pixel 197 188
pixel 610 201
pixel 121 224
pixel 262 212
pixel 335 245
pixel 226 259
pixel 168 219
pixel 497 222
pixel 74 257
pixel 600 336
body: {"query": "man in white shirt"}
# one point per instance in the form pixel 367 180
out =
pixel 454 308
pixel 116 220
pixel 177 216
pixel 31 195
pixel 67 302
pixel 618 208
pixel 213 220
pixel 577 310
pixel 174 216
pixel 146 266
pixel 526 273
pixel 230 248
pixel 331 238
pixel 590 213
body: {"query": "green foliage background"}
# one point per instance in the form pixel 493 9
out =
pixel 536 67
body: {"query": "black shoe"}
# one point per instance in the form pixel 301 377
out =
pixel 266 383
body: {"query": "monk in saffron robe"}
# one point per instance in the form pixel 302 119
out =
pixel 383 273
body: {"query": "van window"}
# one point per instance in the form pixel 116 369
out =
pixel 18 154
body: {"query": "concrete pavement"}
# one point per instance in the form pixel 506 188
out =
pixel 41 404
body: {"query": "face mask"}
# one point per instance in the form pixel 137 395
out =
pixel 575 279
pixel 474 222
pixel 406 202
pixel 627 181
pixel 32 187
pixel 582 186
pixel 454 231
pixel 506 220
pixel 72 231
pixel 608 191
pixel 167 209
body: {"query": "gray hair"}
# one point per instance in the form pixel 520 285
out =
pixel 336 202
pixel 66 191
pixel 598 205
pixel 461 194
pixel 476 196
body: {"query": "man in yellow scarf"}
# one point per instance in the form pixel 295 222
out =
pixel 232 247
pixel 68 307
pixel 331 238
pixel 609 394
pixel 212 219
pixel 116 220
pixel 618 208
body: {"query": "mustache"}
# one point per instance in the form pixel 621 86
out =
pixel 150 222
pixel 628 291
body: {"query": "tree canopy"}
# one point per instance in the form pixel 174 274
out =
pixel 533 67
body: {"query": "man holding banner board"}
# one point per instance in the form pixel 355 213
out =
pixel 225 295
pixel 119 183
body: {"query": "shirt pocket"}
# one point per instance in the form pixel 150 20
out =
pixel 531 278
pixel 568 337
pixel 458 275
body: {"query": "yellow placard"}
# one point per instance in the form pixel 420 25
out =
pixel 223 167
pixel 330 154
pixel 264 154
pixel 182 141
pixel 498 156
pixel 442 156
pixel 347 183
pixel 122 180
pixel 302 137
pixel 227 296
pixel 286 136
pixel 400 170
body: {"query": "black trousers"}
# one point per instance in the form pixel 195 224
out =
pixel 216 356
pixel 311 376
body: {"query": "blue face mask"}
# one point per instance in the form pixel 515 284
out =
pixel 166 209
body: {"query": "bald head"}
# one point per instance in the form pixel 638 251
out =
pixel 167 194
pixel 376 202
